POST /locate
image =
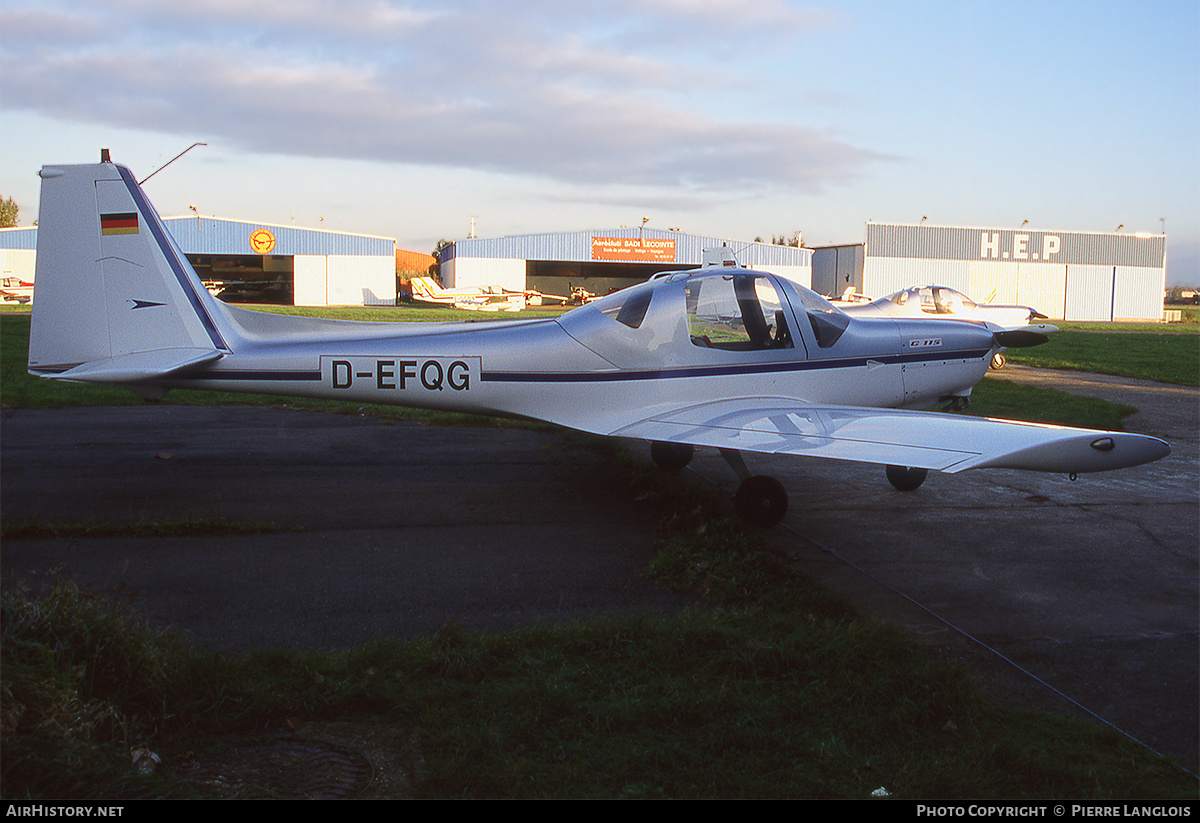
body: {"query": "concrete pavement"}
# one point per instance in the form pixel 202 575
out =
pixel 401 527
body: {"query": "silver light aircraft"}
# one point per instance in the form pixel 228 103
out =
pixel 948 303
pixel 721 356
pixel 923 301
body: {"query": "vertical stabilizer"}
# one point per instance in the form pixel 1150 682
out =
pixel 115 300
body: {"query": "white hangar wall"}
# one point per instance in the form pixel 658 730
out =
pixel 343 280
pixel 837 268
pixel 482 272
pixel 18 253
pixel 1064 275
pixel 18 263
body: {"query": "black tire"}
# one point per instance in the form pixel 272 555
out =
pixel 761 501
pixel 671 457
pixel 906 479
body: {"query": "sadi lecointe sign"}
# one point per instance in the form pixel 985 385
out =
pixel 633 248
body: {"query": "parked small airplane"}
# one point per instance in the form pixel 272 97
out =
pixel 15 290
pixel 719 356
pixel 489 298
pixel 942 301
pixel 492 298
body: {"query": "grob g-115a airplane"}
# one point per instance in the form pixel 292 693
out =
pixel 720 356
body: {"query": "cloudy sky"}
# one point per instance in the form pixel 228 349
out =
pixel 732 118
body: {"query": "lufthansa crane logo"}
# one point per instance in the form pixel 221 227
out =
pixel 262 241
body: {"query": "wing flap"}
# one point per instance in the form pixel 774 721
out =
pixel 943 442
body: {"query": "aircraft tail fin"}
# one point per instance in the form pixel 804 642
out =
pixel 428 290
pixel 115 300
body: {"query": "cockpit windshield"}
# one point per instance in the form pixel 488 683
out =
pixel 827 320
pixel 935 300
pixel 736 310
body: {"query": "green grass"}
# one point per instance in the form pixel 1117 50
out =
pixel 999 398
pixel 1165 357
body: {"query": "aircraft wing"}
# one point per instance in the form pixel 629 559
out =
pixel 943 442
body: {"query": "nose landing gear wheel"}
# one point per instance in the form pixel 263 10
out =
pixel 761 501
pixel 906 479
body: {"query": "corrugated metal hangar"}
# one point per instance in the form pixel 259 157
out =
pixel 600 261
pixel 1064 275
pixel 256 262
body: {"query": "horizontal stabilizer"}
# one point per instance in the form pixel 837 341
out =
pixel 944 442
pixel 132 368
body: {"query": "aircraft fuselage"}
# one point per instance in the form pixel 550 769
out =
pixel 588 364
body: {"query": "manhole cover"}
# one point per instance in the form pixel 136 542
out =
pixel 309 769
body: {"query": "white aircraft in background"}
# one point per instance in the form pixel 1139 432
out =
pixel 720 356
pixel 945 302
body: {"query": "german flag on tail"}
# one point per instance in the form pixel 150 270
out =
pixel 119 223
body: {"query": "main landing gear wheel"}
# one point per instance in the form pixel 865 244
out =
pixel 671 457
pixel 761 501
pixel 906 479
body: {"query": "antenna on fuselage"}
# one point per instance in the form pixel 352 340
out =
pixel 169 162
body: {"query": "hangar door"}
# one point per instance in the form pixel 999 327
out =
pixel 344 280
pixel 246 278
pixel 562 277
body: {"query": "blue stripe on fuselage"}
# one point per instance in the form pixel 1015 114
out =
pixel 618 376
pixel 724 371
